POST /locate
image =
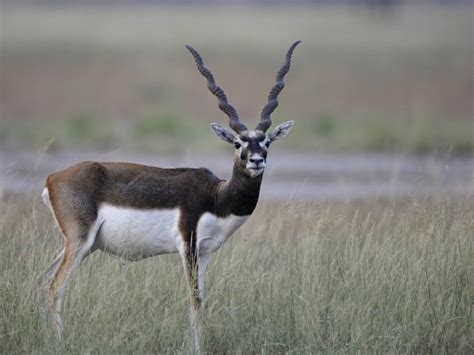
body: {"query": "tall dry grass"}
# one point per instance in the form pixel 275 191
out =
pixel 298 278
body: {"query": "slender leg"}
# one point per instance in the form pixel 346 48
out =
pixel 195 269
pixel 54 265
pixel 76 249
pixel 197 313
pixel 203 261
pixel 47 277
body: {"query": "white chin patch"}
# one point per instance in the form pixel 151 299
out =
pixel 255 172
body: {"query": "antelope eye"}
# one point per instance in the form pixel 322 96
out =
pixel 237 145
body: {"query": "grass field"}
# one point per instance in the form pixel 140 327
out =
pixel 367 277
pixel 112 77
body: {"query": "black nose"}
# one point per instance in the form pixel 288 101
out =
pixel 256 161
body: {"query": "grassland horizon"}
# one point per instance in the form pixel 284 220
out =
pixel 108 77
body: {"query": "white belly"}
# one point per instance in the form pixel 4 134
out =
pixel 213 231
pixel 136 234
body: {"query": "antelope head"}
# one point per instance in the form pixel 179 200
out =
pixel 251 146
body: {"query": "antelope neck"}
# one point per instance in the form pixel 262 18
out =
pixel 239 195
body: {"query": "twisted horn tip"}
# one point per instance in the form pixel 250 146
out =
pixel 191 49
pixel 293 46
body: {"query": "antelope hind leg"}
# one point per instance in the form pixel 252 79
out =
pixel 76 249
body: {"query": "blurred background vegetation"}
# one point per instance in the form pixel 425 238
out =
pixel 378 258
pixel 367 78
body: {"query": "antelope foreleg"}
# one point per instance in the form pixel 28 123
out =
pixel 195 269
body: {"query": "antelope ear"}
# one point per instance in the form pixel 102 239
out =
pixel 223 133
pixel 281 131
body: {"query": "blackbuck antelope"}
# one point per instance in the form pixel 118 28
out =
pixel 136 211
